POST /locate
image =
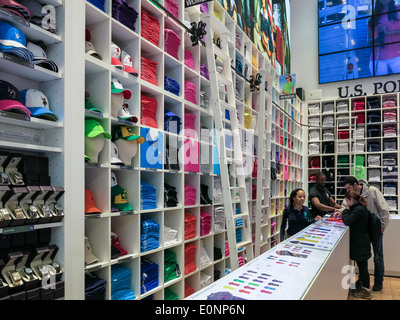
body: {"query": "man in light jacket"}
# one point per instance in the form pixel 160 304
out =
pixel 378 205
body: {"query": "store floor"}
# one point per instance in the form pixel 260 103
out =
pixel 390 291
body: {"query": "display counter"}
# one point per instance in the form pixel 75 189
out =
pixel 308 265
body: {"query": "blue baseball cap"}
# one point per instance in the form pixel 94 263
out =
pixel 13 41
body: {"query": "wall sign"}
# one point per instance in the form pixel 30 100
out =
pixel 375 88
pixel 190 3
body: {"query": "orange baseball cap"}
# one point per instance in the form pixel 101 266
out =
pixel 90 208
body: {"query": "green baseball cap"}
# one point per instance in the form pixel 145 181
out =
pixel 93 128
pixel 116 87
pixel 126 133
pixel 119 198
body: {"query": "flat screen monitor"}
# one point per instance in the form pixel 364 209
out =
pixel 358 39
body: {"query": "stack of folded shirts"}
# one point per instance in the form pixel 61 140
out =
pixel 169 265
pixel 374 160
pixel 342 121
pixel 149 275
pixel 149 70
pixel 95 287
pixel 148 107
pixel 374 175
pixel 217 191
pixel 254 191
pixel 239 223
pixel 238 42
pixel 328 135
pixel 205 165
pixel 170 235
pixel 389 145
pixel 171 85
pixel 342 106
pixel 389 189
pixel 247 120
pixel 374 146
pixel 313 121
pixel 169 295
pixel 98 3
pixel 149 235
pixel 203 7
pixel 171 43
pixel 148 199
pixel 392 203
pixel 204 258
pixel 205 280
pixel 390 173
pixel 150 28
pixel 313 148
pixel 217 254
pixel 343 147
pixel 389 103
pixel 190 92
pixel 219 218
pixel 124 13
pixel 359 118
pixel 171 158
pixel 359 133
pixel 205 223
pixel 327 121
pixel 358 105
pixel 204 71
pixel 120 283
pixel 389 160
pixel 189 125
pixel 313 109
pixel 373 103
pixel 226 249
pixel 389 116
pixel 188 290
pixel 241 261
pixel 327 107
pixel 374 118
pixel 172 122
pixel 190 256
pixel 389 131
pixel 190 226
pixel 358 146
pixel 189 59
pixel 190 195
pixel 172 7
pixel 170 196
pixel 313 135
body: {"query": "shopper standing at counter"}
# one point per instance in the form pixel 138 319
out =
pixel 356 217
pixel 296 214
pixel 377 204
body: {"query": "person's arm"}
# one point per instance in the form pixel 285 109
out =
pixel 383 209
pixel 334 204
pixel 283 224
pixel 318 205
pixel 350 218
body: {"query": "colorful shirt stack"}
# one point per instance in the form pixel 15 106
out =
pixel 190 253
pixel 171 43
pixel 98 3
pixel 148 196
pixel 190 226
pixel 172 7
pixel 204 71
pixel 170 196
pixel 219 218
pixel 190 195
pixel 148 107
pixel 190 92
pixel 150 28
pixel 189 59
pixel 189 126
pixel 124 13
pixel 170 235
pixel 172 122
pixel 170 267
pixel 120 283
pixel 205 223
pixel 149 70
pixel 188 290
pixel 150 235
pixel 95 287
pixel 171 85
pixel 149 275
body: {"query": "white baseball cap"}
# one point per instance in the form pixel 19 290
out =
pixel 89 48
pixel 114 155
pixel 115 56
pixel 114 180
pixel 123 113
pixel 38 104
pixel 127 62
pixel 117 87
pixel 40 57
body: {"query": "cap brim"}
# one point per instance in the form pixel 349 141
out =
pixel 90 258
pixel 123 206
pixel 92 210
pixel 127 93
pixel 130 70
pixel 93 134
pixel 118 64
pixel 115 160
pixel 8 105
pixel 95 54
pixel 139 139
pixel 130 118
pixel 43 113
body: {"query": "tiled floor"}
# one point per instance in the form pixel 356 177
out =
pixel 390 291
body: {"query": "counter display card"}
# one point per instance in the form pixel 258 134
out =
pixel 282 273
pixel 320 235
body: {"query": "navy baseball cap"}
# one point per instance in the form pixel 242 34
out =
pixel 10 99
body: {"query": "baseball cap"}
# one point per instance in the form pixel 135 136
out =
pixel 120 198
pixel 93 128
pixel 123 113
pixel 127 62
pixel 116 87
pixel 89 256
pixel 38 104
pixel 126 133
pixel 16 8
pixel 10 99
pixel 39 12
pixel 114 155
pixel 40 57
pixel 90 207
pixel 89 48
pixel 13 41
pixel 115 56
pixel 88 103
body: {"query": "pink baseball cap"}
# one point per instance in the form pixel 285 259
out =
pixel 10 99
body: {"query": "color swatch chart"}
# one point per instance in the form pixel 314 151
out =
pixel 284 272
pixel 320 235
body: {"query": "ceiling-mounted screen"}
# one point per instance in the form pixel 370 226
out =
pixel 358 39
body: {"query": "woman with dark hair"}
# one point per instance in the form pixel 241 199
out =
pixel 386 24
pixel 296 214
pixel 356 217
